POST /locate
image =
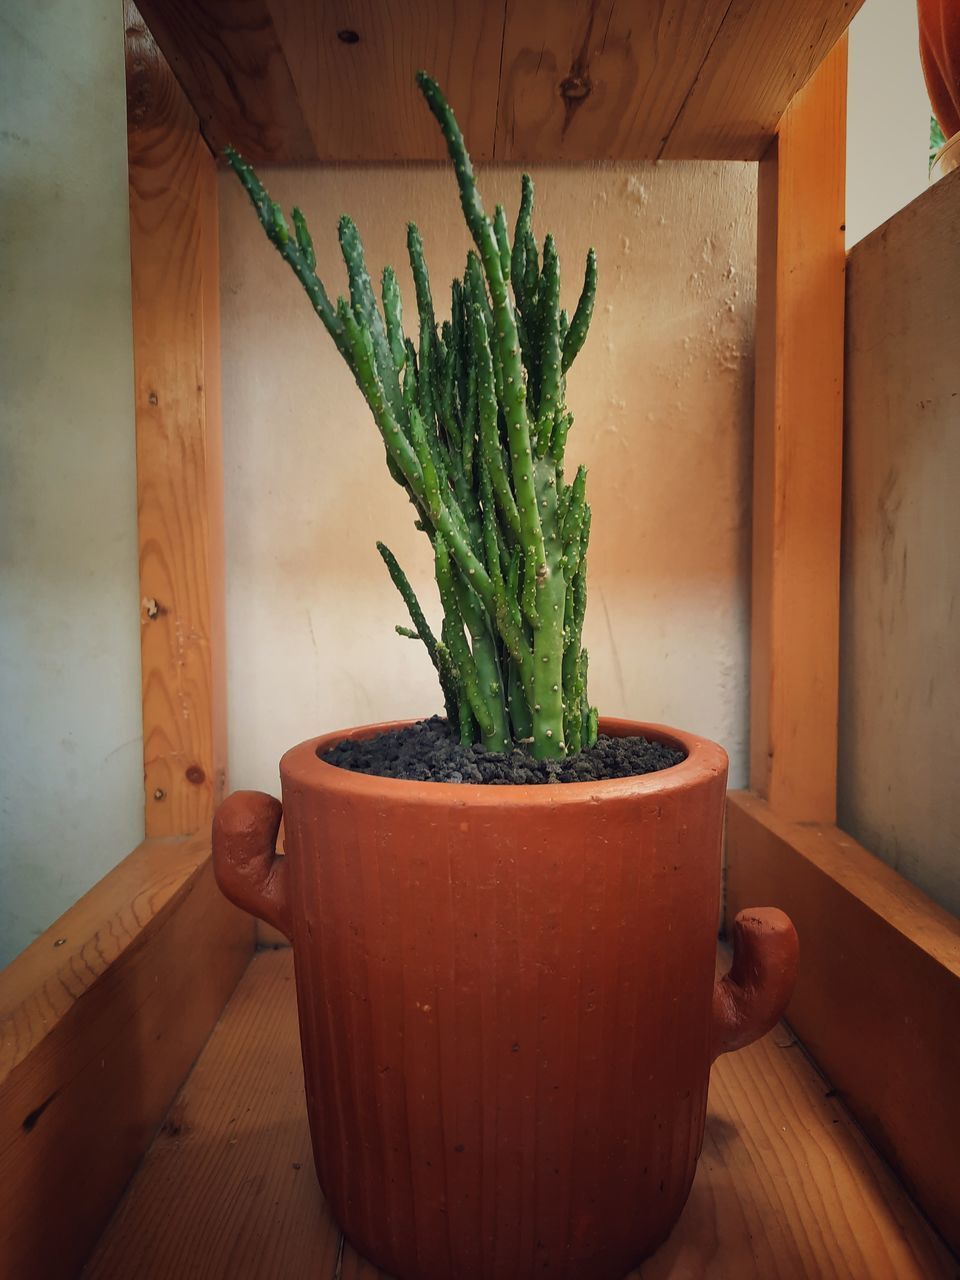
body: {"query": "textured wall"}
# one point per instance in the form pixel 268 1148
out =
pixel 900 596
pixel 662 395
pixel 71 791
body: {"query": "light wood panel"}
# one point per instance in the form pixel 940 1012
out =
pixel 289 81
pixel 878 999
pixel 176 337
pixel 786 1188
pixel 360 97
pixel 100 1019
pixel 899 653
pixel 228 59
pixel 598 81
pixel 764 53
pixel 798 433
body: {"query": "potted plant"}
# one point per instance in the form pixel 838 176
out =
pixel 939 22
pixel 507 1000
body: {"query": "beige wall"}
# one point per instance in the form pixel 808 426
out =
pixel 662 394
pixel 71 774
pixel 900 653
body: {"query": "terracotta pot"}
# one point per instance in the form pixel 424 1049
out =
pixel 939 22
pixel 507 1002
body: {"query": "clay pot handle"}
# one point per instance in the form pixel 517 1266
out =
pixel 245 861
pixel 751 998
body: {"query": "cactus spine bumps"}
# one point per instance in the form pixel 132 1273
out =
pixel 474 422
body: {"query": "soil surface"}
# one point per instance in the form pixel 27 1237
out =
pixel 429 752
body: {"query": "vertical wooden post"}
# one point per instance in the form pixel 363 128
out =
pixel 797 453
pixel 176 338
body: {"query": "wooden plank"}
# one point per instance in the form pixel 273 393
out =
pixel 292 82
pixel 234 73
pixel 359 95
pixel 176 336
pixel 100 1019
pixel 763 55
pixel 798 432
pixel 878 999
pixel 240 1122
pixel 787 1187
pixel 289 81
pixel 899 691
pixel 598 80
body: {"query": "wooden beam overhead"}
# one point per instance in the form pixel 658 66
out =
pixel 234 73
pixel 764 53
pixel 353 65
pixel 299 81
pixel 598 81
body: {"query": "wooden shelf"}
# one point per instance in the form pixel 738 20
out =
pixel 296 81
pixel 787 1186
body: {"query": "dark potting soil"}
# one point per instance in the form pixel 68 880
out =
pixel 429 752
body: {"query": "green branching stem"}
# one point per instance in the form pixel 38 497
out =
pixel 439 656
pixel 474 422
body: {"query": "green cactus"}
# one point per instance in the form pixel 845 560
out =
pixel 474 422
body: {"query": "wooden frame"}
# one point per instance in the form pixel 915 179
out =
pixel 103 1015
pixel 175 277
pixel 878 999
pixel 97 1001
pixel 100 1020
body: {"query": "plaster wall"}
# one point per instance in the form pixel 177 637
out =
pixel 663 400
pixel 71 774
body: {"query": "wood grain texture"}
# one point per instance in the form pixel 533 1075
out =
pixel 100 1019
pixel 289 81
pixel 603 80
pixel 227 57
pixel 787 1187
pixel 764 53
pixel 176 336
pixel 900 578
pixel 798 431
pixel 360 97
pixel 878 998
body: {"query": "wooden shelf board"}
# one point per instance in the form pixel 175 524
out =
pixel 100 1019
pixel 294 81
pixel 787 1185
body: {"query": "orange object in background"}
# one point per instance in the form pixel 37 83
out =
pixel 940 57
pixel 508 1005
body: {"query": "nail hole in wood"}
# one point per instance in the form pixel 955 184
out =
pixel 575 88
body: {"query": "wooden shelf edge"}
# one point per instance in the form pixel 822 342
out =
pixel 100 1021
pixel 878 999
pixel 63 963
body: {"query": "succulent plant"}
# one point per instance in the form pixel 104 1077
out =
pixel 474 422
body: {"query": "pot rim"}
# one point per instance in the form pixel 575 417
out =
pixel 303 767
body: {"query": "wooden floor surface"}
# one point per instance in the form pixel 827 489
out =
pixel 787 1188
